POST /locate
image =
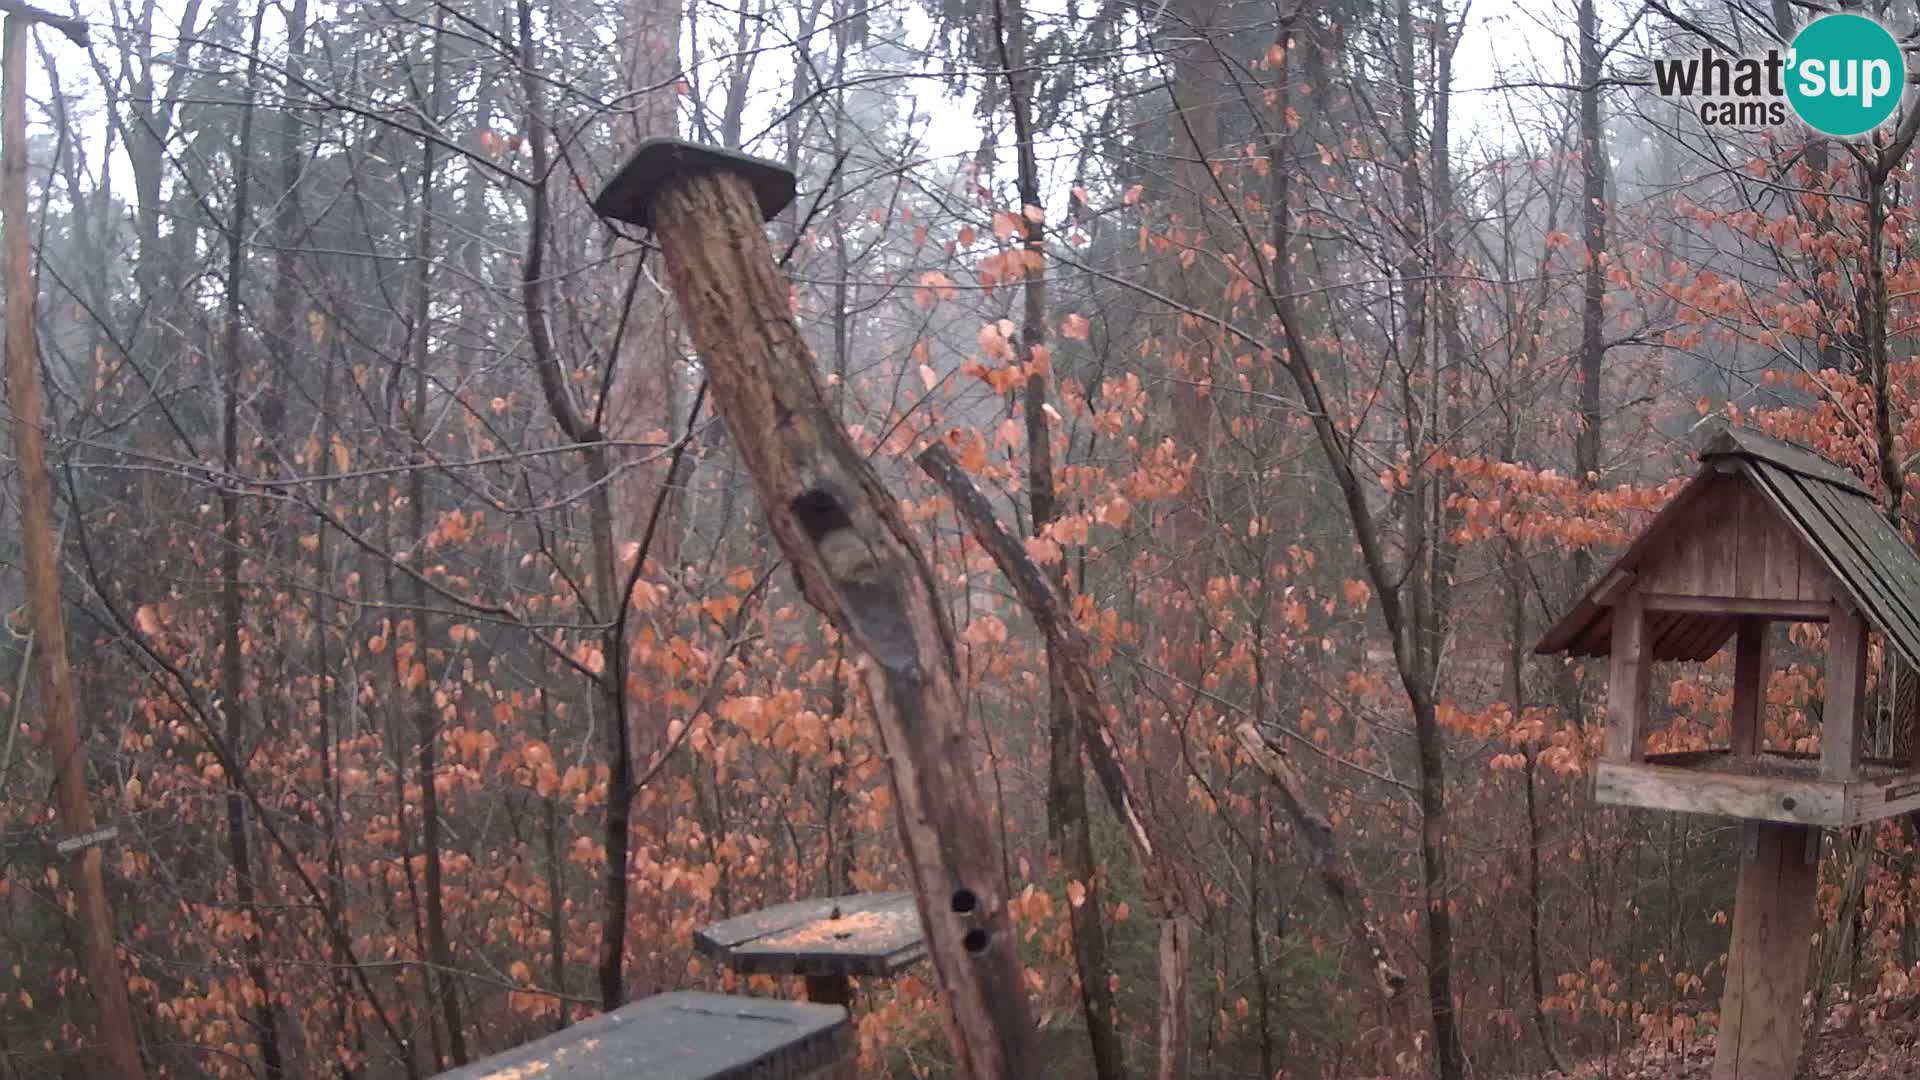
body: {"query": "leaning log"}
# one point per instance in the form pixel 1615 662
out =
pixel 1068 646
pixel 1325 853
pixel 855 560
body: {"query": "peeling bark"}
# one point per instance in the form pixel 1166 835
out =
pixel 859 565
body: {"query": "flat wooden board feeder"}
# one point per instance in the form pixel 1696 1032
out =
pixel 826 940
pixel 1766 532
pixel 685 1036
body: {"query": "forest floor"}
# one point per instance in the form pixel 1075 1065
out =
pixel 1877 1039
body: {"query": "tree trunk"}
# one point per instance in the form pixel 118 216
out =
pixel 602 517
pixel 416 677
pixel 120 1045
pixel 1593 219
pixel 1067 824
pixel 232 681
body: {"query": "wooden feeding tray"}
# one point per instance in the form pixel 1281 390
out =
pixel 827 940
pixel 684 1036
pixel 1767 786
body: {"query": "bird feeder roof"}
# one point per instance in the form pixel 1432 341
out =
pixel 1758 501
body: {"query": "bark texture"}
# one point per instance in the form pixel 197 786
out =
pixel 857 562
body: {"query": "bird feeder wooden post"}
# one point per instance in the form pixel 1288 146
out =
pixel 856 561
pixel 1767 532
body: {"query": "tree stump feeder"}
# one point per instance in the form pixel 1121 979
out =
pixel 855 559
pixel 1766 532
pixel 827 941
pixel 685 1036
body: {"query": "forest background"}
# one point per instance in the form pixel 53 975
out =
pixel 439 675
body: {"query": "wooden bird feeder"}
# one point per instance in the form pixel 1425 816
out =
pixel 873 935
pixel 1767 532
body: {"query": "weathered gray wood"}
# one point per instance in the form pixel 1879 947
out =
pixel 1698 637
pixel 1612 587
pixel 1628 682
pixel 1585 617
pixel 1889 582
pixel 1750 673
pixel 1882 797
pixel 1773 921
pixel 684 1036
pixel 1711 782
pixel 1695 791
pixel 871 934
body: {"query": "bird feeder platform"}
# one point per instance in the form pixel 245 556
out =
pixel 685 1036
pixel 826 940
pixel 1766 532
pixel 1766 785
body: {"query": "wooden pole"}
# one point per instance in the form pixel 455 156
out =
pixel 1630 676
pixel 1845 711
pixel 1773 919
pixel 120 1046
pixel 856 561
pixel 1750 673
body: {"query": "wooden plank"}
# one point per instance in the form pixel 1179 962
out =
pixel 1750 673
pixel 1883 797
pixel 1718 540
pixel 1773 922
pixel 1693 791
pixel 1679 562
pixel 684 1036
pixel 1843 714
pixel 1784 610
pixel 1823 546
pixel 1890 585
pixel 715 938
pixel 1611 587
pixel 1790 610
pixel 1629 680
pixel 1897 568
pixel 1754 572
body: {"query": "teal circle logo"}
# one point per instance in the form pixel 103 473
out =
pixel 1845 74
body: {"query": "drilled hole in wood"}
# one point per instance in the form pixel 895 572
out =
pixel 976 941
pixel 964 902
